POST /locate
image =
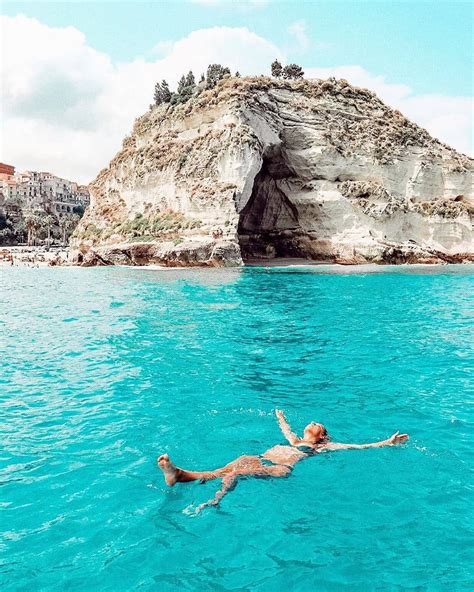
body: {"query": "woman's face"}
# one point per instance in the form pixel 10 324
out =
pixel 314 432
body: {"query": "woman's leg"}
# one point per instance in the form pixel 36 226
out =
pixel 173 474
pixel 242 466
pixel 228 481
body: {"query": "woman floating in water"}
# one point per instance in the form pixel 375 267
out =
pixel 275 462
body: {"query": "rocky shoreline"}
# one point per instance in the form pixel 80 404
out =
pixel 153 256
pixel 226 255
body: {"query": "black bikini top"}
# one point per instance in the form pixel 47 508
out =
pixel 306 449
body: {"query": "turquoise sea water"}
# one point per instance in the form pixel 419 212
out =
pixel 103 369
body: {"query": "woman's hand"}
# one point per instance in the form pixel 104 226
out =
pixel 396 439
pixel 279 413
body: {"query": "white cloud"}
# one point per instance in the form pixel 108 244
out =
pixel 447 118
pixel 162 48
pixel 66 106
pixel 298 30
pixel 44 72
pixel 238 48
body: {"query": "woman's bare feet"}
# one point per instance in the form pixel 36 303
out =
pixel 169 470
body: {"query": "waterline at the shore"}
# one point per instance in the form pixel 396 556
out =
pixel 33 256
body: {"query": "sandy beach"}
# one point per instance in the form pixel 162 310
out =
pixel 24 256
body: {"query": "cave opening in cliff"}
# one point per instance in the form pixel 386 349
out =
pixel 268 224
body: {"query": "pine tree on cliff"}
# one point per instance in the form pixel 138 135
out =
pixel 277 69
pixel 189 87
pixel 215 72
pixel 165 92
pixel 293 72
pixel 181 84
pixel 158 94
pixel 190 81
pixel 185 90
pixel 162 93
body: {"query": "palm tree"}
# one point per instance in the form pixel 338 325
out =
pixel 33 223
pixel 47 222
pixel 29 222
pixel 67 224
pixel 19 228
pixel 62 227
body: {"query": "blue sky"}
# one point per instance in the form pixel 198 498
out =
pixel 427 45
pixel 76 74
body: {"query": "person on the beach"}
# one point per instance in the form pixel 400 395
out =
pixel 275 462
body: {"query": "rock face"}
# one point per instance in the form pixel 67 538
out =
pixel 257 168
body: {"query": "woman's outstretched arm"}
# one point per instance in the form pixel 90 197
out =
pixel 397 438
pixel 285 428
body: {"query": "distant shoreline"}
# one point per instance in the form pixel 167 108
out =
pixel 40 256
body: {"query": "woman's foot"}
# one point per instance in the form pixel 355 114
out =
pixel 169 470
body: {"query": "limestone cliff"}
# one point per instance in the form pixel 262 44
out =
pixel 258 168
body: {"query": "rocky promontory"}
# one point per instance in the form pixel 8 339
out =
pixel 257 168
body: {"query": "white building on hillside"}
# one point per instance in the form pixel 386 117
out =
pixel 44 190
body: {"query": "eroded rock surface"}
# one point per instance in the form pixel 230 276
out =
pixel 258 168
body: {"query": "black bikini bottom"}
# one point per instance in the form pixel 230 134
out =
pixel 269 463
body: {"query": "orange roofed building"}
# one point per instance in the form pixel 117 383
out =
pixel 7 171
